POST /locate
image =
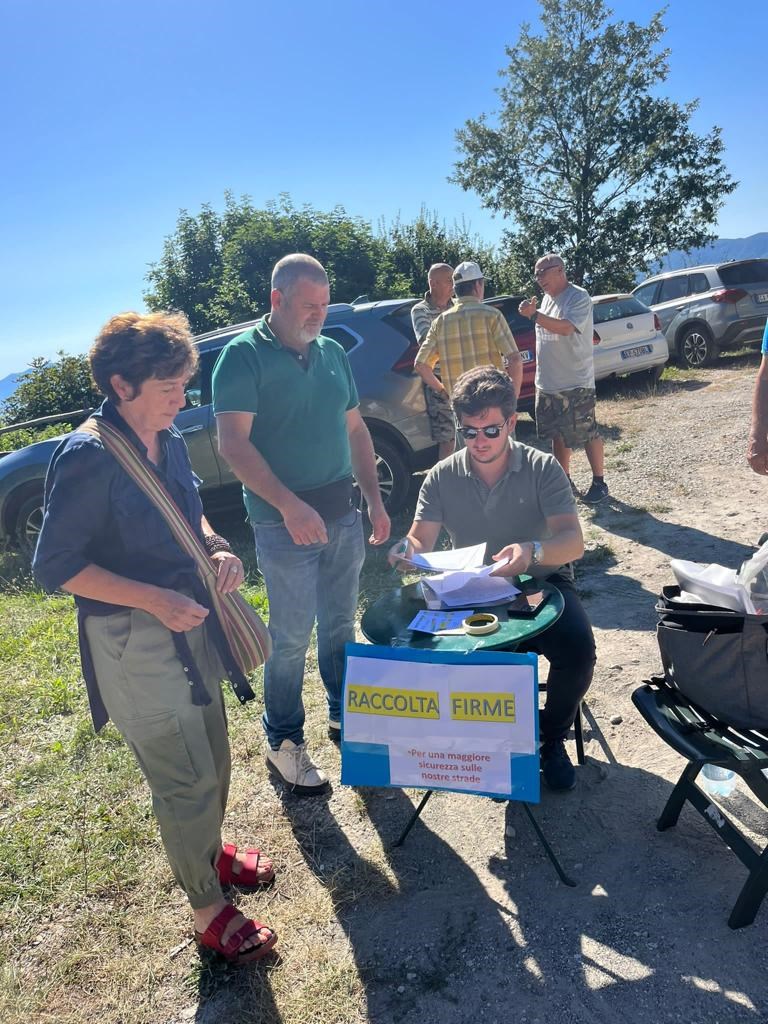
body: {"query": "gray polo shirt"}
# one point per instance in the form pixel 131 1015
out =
pixel 564 362
pixel 515 510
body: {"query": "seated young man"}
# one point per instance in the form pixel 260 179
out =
pixel 520 502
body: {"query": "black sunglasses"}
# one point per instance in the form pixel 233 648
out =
pixel 470 433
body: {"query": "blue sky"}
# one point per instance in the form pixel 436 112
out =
pixel 117 115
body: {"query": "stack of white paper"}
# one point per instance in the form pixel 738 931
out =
pixel 471 589
pixel 450 561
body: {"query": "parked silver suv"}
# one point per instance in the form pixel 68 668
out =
pixel 706 309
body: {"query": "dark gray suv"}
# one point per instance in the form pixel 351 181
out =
pixel 706 309
pixel 379 341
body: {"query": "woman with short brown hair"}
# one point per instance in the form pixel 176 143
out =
pixel 152 648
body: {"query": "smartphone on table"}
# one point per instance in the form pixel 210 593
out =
pixel 527 604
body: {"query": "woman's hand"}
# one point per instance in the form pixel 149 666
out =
pixel 177 612
pixel 230 571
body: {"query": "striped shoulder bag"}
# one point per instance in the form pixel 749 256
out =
pixel 243 627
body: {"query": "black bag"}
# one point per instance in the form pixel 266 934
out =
pixel 718 659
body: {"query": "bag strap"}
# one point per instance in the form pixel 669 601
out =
pixel 131 461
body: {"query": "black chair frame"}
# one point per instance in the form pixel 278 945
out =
pixel 702 739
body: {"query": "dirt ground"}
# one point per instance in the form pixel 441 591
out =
pixel 467 921
pixel 480 927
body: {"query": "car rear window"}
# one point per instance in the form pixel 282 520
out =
pixel 515 319
pixel 345 337
pixel 646 292
pixel 751 272
pixel 697 283
pixel 618 309
pixel 401 320
pixel 673 288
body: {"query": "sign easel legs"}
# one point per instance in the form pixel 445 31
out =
pixel 536 827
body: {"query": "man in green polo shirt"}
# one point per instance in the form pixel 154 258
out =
pixel 519 501
pixel 289 425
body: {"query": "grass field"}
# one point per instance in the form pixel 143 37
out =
pixel 92 921
pixel 93 925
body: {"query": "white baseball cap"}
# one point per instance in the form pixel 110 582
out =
pixel 467 271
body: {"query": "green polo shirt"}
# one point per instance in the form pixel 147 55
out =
pixel 515 510
pixel 299 415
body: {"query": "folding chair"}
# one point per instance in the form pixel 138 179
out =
pixel 702 739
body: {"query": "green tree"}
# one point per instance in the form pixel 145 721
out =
pixel 217 267
pixel 407 250
pixel 586 157
pixel 48 388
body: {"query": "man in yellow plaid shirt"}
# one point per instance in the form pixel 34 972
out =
pixel 467 335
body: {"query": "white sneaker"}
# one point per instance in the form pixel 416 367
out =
pixel 293 766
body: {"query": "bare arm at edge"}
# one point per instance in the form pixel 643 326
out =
pixel 757 446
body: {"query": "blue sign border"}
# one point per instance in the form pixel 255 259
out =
pixel 367 764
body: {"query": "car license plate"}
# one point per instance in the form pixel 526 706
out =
pixel 762 297
pixel 632 353
pixel 526 356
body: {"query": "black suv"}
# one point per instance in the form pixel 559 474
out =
pixel 379 341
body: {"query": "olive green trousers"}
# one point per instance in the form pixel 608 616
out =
pixel 182 749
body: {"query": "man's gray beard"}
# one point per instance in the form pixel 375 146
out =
pixel 308 335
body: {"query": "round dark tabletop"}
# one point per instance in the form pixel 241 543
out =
pixel 385 622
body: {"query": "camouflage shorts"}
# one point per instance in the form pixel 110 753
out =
pixel 441 421
pixel 567 414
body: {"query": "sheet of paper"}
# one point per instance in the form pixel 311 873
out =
pixel 451 561
pixel 440 623
pixel 469 589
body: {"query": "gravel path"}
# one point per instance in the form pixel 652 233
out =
pixel 467 921
pixel 481 928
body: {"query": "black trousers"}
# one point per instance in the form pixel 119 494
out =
pixel 569 647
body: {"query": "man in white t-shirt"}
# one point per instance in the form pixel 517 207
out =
pixel 565 371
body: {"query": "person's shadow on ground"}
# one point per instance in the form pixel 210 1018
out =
pixel 394 912
pixel 236 995
pixel 672 539
pixel 645 935
pixel 631 605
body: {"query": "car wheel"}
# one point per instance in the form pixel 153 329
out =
pixel 29 522
pixel 394 475
pixel 696 347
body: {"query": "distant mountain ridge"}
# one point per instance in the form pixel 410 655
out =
pixel 722 249
pixel 8 384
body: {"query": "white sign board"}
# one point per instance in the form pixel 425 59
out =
pixel 466 722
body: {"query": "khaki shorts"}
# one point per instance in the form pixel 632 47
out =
pixel 567 414
pixel 441 422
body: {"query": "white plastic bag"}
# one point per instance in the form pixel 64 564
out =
pixel 753 576
pixel 713 584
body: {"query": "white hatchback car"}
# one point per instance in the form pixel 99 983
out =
pixel 627 338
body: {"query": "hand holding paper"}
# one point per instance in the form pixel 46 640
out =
pixel 455 560
pixel 512 559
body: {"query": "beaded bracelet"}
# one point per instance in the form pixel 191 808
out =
pixel 214 544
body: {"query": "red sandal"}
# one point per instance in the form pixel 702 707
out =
pixel 255 869
pixel 231 949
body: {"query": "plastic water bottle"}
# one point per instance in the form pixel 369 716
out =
pixel 717 781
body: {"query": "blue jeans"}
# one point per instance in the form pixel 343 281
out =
pixel 307 582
